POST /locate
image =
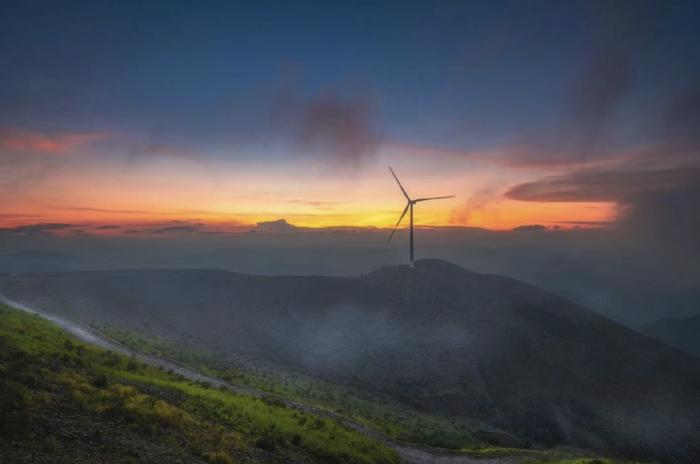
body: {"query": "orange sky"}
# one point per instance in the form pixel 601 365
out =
pixel 87 189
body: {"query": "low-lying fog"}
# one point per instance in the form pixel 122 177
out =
pixel 631 281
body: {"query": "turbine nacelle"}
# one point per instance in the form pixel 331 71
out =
pixel 409 206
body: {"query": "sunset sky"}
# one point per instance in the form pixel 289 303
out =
pixel 135 117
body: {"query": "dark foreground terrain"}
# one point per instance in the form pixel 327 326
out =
pixel 508 363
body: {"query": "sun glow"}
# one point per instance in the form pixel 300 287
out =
pixel 229 196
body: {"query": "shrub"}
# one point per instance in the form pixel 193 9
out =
pixel 274 401
pixel 265 442
pixel 132 365
pixel 319 423
pixel 218 457
pixel 110 359
pixel 100 381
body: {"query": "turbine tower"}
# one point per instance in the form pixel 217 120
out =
pixel 409 206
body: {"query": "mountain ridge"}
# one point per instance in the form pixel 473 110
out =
pixel 436 336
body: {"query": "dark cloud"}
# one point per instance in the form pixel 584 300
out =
pixel 278 226
pixel 589 223
pixel 658 207
pixel 619 32
pixel 529 228
pixel 37 229
pixel 618 35
pixel 342 131
pixel 657 187
pixel 162 228
pixel 189 227
pixel 175 229
pixel 615 185
pixel 668 218
pixel 339 130
pixel 107 227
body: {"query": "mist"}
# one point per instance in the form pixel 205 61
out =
pixel 602 268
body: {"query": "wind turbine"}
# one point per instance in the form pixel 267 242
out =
pixel 409 206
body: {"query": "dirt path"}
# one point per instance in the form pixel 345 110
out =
pixel 409 453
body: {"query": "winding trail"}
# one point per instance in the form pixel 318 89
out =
pixel 408 452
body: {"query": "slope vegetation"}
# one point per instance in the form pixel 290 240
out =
pixel 64 401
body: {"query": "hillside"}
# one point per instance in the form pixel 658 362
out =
pixel 62 401
pixel 684 334
pixel 511 363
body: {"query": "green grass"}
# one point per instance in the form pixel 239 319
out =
pixel 379 413
pixel 370 409
pixel 40 366
pixel 486 451
pixel 43 370
pixel 583 461
pixel 539 456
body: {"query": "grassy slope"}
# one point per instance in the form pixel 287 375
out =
pixel 380 413
pixel 56 392
pixel 393 419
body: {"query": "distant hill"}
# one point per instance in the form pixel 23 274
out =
pixel 684 334
pixel 38 261
pixel 437 337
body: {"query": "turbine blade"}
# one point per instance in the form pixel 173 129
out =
pixel 400 186
pixel 433 198
pixel 398 222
